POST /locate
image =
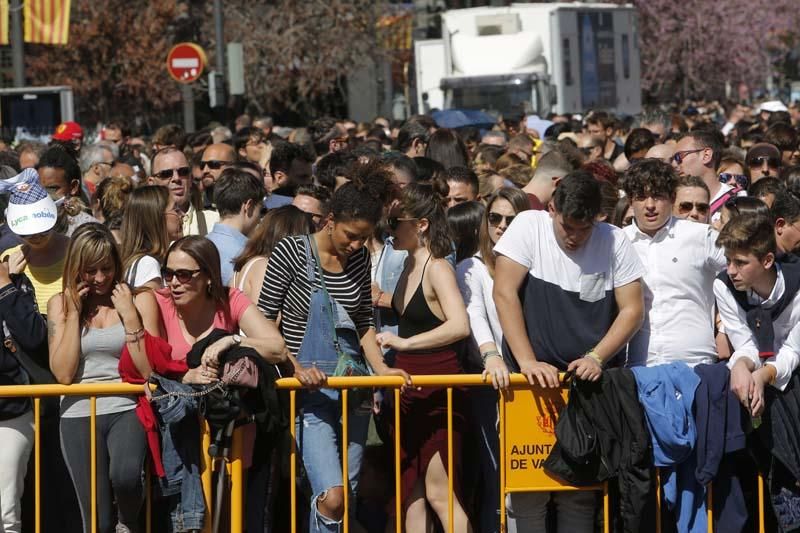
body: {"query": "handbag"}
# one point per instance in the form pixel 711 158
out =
pixel 241 373
pixel 348 365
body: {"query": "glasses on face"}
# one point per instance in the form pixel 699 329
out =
pixel 678 157
pixel 213 164
pixel 167 173
pixel 759 161
pixel 740 179
pixel 687 207
pixel 394 222
pixel 496 218
pixel 184 275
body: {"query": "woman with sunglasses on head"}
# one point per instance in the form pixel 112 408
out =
pixel 432 318
pixel 89 324
pixel 484 353
pixel 149 223
pixel 319 284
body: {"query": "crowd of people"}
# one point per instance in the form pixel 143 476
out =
pixel 607 248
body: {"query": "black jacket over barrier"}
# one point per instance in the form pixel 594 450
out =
pixel 267 405
pixel 602 435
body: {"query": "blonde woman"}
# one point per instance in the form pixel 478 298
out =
pixel 89 323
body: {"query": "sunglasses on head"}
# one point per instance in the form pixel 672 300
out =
pixel 184 275
pixel 213 164
pixel 759 161
pixel 741 180
pixel 168 172
pixel 686 207
pixel 496 218
pixel 394 222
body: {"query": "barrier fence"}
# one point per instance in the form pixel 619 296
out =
pixel 527 417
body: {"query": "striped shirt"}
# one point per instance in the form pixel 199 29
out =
pixel 286 290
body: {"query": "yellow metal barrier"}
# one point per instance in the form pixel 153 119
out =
pixel 518 385
pixel 92 391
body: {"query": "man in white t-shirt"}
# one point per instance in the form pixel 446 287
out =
pixel 681 261
pixel 581 303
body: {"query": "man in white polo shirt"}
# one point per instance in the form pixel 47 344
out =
pixel 681 261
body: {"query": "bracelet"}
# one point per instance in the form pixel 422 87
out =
pixel 487 354
pixel 593 355
pixel 135 335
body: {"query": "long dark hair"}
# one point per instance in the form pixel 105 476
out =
pixel 427 200
pixel 519 202
pixel 464 221
pixel 278 223
pixel 446 147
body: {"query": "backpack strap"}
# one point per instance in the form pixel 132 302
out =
pixel 717 204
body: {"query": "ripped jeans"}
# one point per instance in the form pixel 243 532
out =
pixel 319 440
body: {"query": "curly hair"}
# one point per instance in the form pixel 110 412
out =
pixel 363 197
pixel 650 177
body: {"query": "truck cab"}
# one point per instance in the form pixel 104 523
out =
pixel 532 58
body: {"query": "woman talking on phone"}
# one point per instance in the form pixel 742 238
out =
pixel 89 323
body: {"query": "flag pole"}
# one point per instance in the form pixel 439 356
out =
pixel 17 58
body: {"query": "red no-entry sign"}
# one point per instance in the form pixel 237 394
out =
pixel 185 62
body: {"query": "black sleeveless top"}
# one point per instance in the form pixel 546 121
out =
pixel 417 317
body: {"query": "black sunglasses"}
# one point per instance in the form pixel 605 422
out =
pixel 394 222
pixel 496 218
pixel 168 172
pixel 213 164
pixel 760 160
pixel 686 207
pixel 184 275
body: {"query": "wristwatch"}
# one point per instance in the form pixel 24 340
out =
pixel 237 339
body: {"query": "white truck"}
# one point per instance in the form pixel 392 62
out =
pixel 532 58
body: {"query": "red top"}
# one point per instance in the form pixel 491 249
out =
pixel 536 204
pixel 238 303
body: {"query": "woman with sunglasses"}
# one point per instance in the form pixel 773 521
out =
pixel 432 318
pixel 475 277
pixel 149 223
pixel 194 302
pixel 319 285
pixel 89 323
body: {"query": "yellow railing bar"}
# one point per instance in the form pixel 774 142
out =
pixel 77 389
pixel 206 474
pixel 93 459
pixel 398 474
pixel 450 459
pixel 237 480
pixel 293 458
pixel 761 526
pixel 710 508
pixel 345 465
pixel 658 500
pixel 37 463
pixel 502 460
pixel 455 380
pixel 606 509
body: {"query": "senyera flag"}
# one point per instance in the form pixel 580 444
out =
pixel 46 21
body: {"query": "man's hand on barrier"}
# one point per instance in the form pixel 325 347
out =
pixel 543 374
pixel 496 368
pixel 742 383
pixel 310 377
pixel 586 368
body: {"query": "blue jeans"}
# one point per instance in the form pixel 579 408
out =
pixel 318 429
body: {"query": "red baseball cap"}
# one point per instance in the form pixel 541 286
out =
pixel 67 131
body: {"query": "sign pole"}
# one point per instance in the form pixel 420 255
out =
pixel 17 51
pixel 187 95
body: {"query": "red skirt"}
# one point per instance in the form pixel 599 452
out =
pixel 423 418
